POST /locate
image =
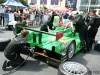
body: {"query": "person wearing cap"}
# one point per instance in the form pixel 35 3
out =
pixel 94 23
pixel 13 50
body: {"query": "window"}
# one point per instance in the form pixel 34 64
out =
pixel 34 1
pixel 84 2
pixel 43 1
pixel 98 2
pixel 54 2
pixel 93 2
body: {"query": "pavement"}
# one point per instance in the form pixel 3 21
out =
pixel 38 67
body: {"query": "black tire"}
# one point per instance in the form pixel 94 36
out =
pixel 68 50
pixel 97 46
pixel 74 70
pixel 3 43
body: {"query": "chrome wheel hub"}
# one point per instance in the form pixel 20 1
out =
pixel 71 51
pixel 74 68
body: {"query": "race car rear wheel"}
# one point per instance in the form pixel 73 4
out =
pixel 3 43
pixel 73 68
pixel 70 50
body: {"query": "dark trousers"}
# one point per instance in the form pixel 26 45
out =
pixel 1 19
pixel 37 20
pixel 15 59
pixel 41 20
pixel 83 34
pixel 17 18
pixel 92 33
pixel 44 28
pixel 50 26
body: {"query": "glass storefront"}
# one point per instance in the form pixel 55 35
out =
pixel 89 4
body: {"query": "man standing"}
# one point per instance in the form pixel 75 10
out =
pixel 94 22
pixel 65 18
pixel 81 28
pixel 2 15
pixel 41 17
pixel 37 17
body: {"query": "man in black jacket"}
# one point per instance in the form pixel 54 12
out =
pixel 94 22
pixel 81 28
pixel 13 50
pixel 48 23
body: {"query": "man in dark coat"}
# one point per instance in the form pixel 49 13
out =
pixel 81 28
pixel 13 50
pixel 94 23
pixel 49 23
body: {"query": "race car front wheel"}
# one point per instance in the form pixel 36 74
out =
pixel 73 68
pixel 70 50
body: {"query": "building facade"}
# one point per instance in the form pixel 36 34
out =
pixel 88 4
pixel 48 3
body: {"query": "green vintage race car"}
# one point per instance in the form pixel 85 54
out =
pixel 56 46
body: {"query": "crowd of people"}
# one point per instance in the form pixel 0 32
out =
pixel 31 16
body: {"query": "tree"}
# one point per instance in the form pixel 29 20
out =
pixel 2 1
pixel 24 2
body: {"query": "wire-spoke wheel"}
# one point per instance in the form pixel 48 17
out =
pixel 73 68
pixel 70 50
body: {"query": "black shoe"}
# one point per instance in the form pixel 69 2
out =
pixel 84 50
pixel 88 50
pixel 4 65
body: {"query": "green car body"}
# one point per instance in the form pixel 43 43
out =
pixel 47 45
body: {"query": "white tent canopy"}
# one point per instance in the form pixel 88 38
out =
pixel 13 3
